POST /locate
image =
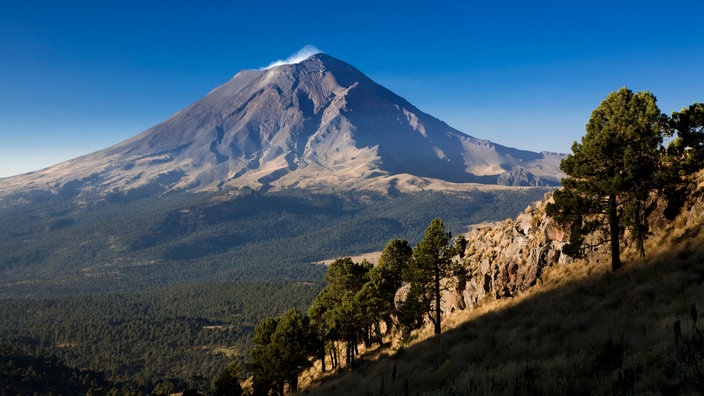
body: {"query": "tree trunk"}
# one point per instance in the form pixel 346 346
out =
pixel 293 384
pixel 437 299
pixel 348 357
pixel 380 337
pixel 642 229
pixel 333 355
pixel 613 225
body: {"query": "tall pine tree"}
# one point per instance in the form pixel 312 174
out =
pixel 432 262
pixel 610 173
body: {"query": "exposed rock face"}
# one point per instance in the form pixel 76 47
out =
pixel 519 176
pixel 504 259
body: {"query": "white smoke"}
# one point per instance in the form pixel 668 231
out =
pixel 302 54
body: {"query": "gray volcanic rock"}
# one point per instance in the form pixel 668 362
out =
pixel 318 124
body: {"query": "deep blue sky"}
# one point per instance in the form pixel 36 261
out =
pixel 79 76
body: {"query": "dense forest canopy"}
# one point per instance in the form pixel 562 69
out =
pixel 62 247
pixel 176 337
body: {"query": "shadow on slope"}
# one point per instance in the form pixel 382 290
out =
pixel 608 333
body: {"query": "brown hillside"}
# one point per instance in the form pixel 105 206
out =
pixel 539 323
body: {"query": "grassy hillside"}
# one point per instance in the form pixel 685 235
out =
pixel 584 331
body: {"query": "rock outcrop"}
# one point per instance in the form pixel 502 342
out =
pixel 504 259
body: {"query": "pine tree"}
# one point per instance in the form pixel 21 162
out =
pixel 395 259
pixel 227 383
pixel 335 312
pixel 688 148
pixel 610 173
pixel 432 262
pixel 282 346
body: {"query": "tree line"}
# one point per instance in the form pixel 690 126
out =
pixel 613 177
pixel 358 306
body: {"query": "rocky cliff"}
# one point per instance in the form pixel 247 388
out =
pixel 505 259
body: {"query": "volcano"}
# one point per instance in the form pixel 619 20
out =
pixel 318 124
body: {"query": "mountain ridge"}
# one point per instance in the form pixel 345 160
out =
pixel 316 124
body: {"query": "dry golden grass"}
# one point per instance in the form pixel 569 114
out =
pixel 583 331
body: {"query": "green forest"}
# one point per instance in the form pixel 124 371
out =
pixel 56 247
pixel 171 338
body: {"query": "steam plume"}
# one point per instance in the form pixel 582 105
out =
pixel 302 54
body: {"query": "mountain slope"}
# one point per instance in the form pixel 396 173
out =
pixel 316 124
pixel 574 327
pixel 600 333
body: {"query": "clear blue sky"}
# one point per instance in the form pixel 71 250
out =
pixel 78 76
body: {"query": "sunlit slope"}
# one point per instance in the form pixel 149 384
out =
pixel 582 330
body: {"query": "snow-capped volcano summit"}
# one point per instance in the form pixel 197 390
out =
pixel 319 123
